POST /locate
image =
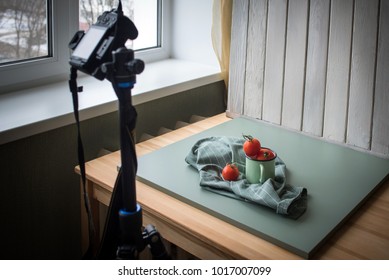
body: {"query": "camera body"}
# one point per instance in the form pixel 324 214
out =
pixel 93 48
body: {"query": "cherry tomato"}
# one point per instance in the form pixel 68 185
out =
pixel 265 154
pixel 230 172
pixel 251 146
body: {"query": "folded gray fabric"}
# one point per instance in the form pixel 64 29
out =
pixel 210 155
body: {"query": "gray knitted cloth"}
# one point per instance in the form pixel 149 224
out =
pixel 210 155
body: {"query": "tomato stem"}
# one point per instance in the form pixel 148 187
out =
pixel 248 137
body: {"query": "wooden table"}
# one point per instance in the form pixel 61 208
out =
pixel 364 236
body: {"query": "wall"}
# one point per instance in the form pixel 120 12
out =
pixel 191 22
pixel 315 66
pixel 39 191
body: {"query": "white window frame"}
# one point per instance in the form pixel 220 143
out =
pixel 26 74
pixel 164 51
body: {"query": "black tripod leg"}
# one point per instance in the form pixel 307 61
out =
pixel 154 240
pixel 126 229
pixel 110 239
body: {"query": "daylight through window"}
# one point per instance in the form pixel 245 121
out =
pixel 35 34
pixel 25 25
pixel 23 30
pixel 144 14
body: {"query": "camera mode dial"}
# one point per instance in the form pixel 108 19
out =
pixel 107 19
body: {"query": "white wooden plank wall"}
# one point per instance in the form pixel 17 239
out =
pixel 274 60
pixel 238 56
pixel 294 76
pixel 338 70
pixel 363 62
pixel 380 142
pixel 316 66
pixel 315 80
pixel 256 51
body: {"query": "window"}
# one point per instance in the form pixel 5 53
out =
pixel 144 13
pixel 34 36
pixel 23 30
pixel 60 25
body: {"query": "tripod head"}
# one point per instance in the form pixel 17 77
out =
pixel 124 68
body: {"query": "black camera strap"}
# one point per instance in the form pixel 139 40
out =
pixel 81 160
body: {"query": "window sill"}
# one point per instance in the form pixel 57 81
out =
pixel 32 111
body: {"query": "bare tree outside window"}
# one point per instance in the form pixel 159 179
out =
pixel 25 25
pixel 23 30
pixel 90 10
pixel 144 13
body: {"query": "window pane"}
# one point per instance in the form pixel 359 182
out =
pixel 23 30
pixel 144 14
pixel 146 20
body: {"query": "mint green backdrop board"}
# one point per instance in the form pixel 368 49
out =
pixel 337 178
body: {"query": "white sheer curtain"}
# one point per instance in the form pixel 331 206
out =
pixel 221 34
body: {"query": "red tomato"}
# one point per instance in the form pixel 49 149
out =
pixel 265 154
pixel 251 146
pixel 230 172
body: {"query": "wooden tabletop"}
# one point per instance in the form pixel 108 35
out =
pixel 364 236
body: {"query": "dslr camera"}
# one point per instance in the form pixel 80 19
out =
pixel 94 48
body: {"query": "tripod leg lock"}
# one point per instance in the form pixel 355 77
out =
pixel 154 240
pixel 131 234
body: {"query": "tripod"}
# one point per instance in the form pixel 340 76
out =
pixel 123 228
pixel 124 237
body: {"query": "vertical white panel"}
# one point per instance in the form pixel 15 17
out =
pixel 256 42
pixel 380 139
pixel 238 57
pixel 292 109
pixel 315 81
pixel 338 70
pixel 274 65
pixel 362 73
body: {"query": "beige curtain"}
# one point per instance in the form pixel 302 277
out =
pixel 221 34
